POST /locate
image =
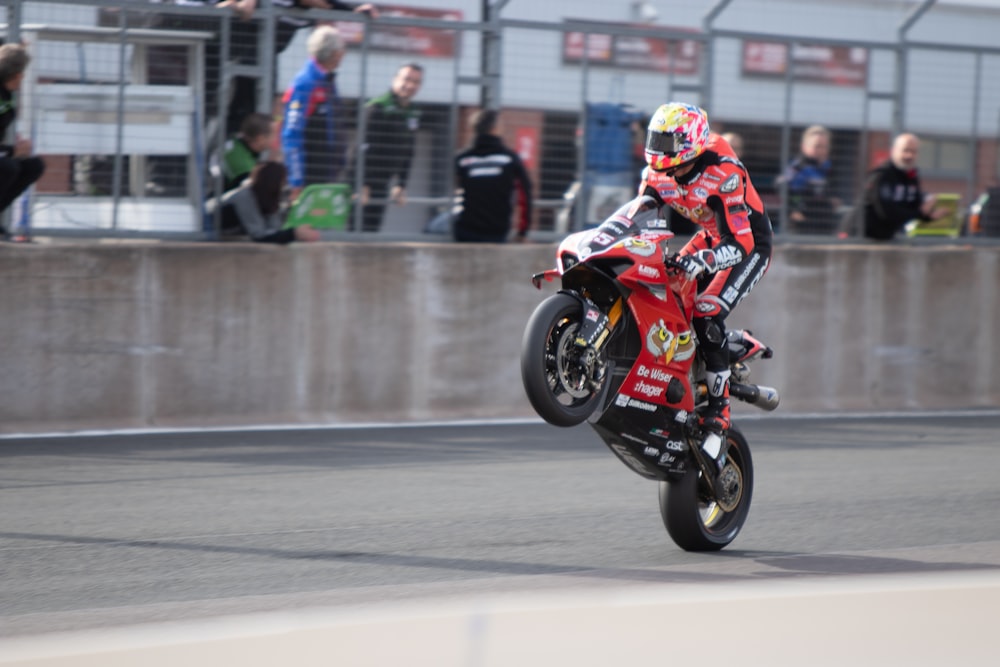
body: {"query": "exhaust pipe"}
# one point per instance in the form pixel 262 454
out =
pixel 762 396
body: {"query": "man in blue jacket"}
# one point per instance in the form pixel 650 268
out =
pixel 312 150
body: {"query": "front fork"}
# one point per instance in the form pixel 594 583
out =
pixel 595 330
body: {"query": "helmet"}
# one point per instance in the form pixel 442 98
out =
pixel 677 133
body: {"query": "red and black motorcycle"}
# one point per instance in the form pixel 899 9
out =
pixel 615 347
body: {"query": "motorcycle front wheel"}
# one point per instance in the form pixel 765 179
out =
pixel 558 380
pixel 699 519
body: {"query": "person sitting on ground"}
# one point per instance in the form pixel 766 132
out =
pixel 241 153
pixel 255 207
pixel 18 168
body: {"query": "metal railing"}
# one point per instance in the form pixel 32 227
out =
pixel 545 76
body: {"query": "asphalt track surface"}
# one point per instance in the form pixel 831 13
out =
pixel 109 530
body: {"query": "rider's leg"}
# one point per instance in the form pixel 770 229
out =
pixel 711 332
pixel 722 294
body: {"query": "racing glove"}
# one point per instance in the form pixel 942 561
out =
pixel 694 265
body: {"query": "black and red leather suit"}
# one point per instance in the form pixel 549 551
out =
pixel 718 196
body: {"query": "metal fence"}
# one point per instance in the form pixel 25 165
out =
pixel 130 103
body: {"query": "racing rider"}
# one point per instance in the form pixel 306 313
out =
pixel 696 173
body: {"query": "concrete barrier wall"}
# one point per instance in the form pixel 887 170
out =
pixel 119 336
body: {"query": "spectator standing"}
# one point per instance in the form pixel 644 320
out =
pixel 245 39
pixel 892 195
pixel 391 124
pixel 811 209
pixel 490 175
pixel 241 153
pixel 256 207
pixel 18 168
pixel 312 149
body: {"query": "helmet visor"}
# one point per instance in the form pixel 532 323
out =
pixel 664 143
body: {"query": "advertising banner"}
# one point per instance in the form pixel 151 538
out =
pixel 631 51
pixel 836 65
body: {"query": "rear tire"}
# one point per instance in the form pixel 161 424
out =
pixel 695 520
pixel 559 389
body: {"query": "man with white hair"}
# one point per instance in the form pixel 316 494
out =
pixel 312 150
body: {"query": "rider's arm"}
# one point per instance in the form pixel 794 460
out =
pixel 700 241
pixel 732 221
pixel 732 218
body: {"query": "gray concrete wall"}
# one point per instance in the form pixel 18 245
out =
pixel 116 336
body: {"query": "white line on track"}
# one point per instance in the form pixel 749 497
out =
pixel 461 423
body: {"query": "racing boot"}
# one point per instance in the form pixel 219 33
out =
pixel 714 418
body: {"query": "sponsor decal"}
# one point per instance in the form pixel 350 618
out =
pixel 726 256
pixel 648 390
pixel 730 294
pixel 641 405
pixel 659 223
pixel 731 185
pixel 681 416
pixel 701 213
pixel 667 458
pixel 629 436
pixel 736 199
pixel 496 160
pixel 653 373
pixel 674 445
pixel 754 258
pixel 603 239
pixel 701 193
pixel 649 271
pixel 740 222
pixel 659 340
pixel 704 306
pixel 626 401
pixel 651 451
pixel 640 247
pixel 753 283
pixel 593 315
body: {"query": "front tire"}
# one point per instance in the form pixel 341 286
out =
pixel 559 387
pixel 694 517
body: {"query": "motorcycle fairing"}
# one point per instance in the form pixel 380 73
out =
pixel 651 443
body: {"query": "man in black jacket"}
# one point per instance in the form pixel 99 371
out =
pixel 489 176
pixel 18 168
pixel 893 196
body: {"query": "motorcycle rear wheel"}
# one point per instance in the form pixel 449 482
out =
pixel 695 519
pixel 559 389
